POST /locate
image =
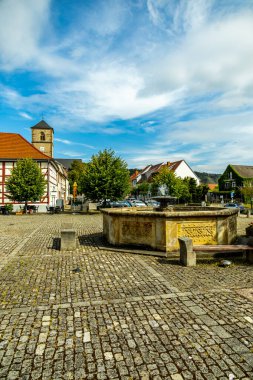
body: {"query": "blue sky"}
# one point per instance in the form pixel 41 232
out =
pixel 155 80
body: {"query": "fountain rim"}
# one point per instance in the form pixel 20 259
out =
pixel 190 212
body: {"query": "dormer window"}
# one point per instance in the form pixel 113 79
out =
pixel 42 136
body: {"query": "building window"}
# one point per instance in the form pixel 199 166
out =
pixel 230 175
pixel 226 185
pixel 233 184
pixel 42 136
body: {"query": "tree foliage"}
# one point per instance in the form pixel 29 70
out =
pixel 202 190
pixel 167 179
pixel 26 182
pixel 186 190
pixel 75 174
pixel 106 177
pixel 247 190
pixel 141 189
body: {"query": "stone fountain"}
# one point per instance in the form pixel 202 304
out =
pixel 159 229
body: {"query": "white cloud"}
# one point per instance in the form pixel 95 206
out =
pixel 113 14
pixel 179 16
pixel 25 115
pixel 22 24
pixel 72 153
pixel 67 142
pixel 217 57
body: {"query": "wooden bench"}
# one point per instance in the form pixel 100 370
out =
pixel 188 251
pixel 68 237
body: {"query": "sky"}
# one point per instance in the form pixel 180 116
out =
pixel 153 80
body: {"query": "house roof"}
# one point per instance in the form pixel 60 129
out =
pixel 134 175
pixel 243 171
pixel 212 186
pixel 148 172
pixel 156 168
pixel 13 146
pixel 42 125
pixel 174 165
pixel 67 162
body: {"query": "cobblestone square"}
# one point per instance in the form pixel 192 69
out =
pixel 97 314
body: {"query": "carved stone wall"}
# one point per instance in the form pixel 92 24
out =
pixel 139 232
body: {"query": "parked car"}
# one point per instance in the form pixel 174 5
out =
pixel 152 203
pixel 124 203
pixel 104 204
pixel 113 204
pixel 138 203
pixel 234 205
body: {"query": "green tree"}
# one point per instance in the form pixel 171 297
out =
pixel 192 188
pixel 154 188
pixel 247 190
pixel 143 189
pixel 168 179
pixel 185 195
pixel 26 182
pixel 202 190
pixel 106 177
pixel 75 174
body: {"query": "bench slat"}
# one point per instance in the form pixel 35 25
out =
pixel 222 248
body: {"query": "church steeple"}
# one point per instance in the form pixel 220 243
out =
pixel 43 138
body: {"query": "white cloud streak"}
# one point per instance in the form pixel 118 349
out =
pixel 25 115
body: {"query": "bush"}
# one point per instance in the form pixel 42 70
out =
pixel 9 207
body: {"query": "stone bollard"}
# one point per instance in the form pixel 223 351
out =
pixel 187 255
pixel 68 237
pixel 248 213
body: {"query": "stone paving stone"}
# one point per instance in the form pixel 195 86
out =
pixel 122 317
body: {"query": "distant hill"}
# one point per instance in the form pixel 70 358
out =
pixel 208 177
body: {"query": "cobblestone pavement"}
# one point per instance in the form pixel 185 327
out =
pixel 121 316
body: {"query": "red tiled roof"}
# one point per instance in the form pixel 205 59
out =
pixel 174 165
pixel 14 146
pixel 212 186
pixel 134 175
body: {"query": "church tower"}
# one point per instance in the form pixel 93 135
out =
pixel 43 138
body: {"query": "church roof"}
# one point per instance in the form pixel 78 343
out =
pixel 42 125
pixel 13 146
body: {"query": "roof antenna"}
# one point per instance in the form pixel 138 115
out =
pixel 42 116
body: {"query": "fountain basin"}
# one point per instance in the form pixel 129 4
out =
pixel 160 230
